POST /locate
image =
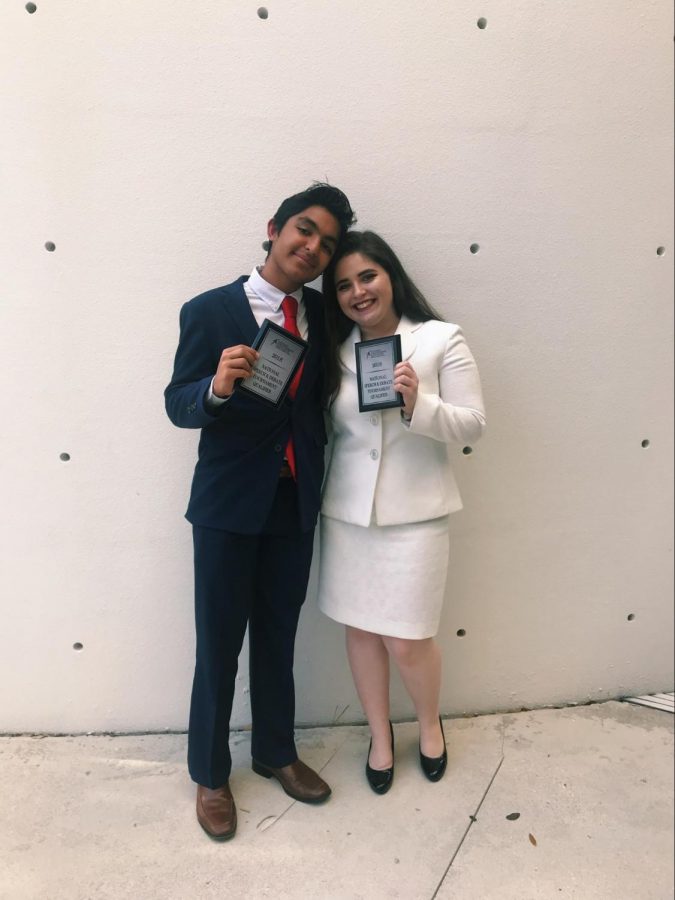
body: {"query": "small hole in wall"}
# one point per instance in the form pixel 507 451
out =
pixel 50 246
pixel 474 248
pixel 646 443
pixel 461 632
pixel 64 457
pixel 630 617
pixel 78 646
pixel 482 23
pixel 467 451
pixel 31 8
pixel 262 12
pixel 660 251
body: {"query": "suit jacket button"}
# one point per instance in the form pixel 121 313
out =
pixel 278 448
pixel 374 454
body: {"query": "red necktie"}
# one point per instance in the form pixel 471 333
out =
pixel 289 307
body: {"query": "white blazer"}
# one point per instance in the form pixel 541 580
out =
pixel 385 470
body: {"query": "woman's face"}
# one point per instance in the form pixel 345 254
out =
pixel 365 295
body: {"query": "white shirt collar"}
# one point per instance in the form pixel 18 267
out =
pixel 269 294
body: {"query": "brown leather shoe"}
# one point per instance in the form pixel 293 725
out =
pixel 216 812
pixel 298 780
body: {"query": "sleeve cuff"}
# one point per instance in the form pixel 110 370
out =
pixel 211 400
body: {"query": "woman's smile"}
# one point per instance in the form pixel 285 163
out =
pixel 365 295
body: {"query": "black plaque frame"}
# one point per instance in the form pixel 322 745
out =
pixel 368 346
pixel 267 333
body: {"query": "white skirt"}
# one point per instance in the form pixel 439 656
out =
pixel 386 579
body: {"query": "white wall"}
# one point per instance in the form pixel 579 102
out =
pixel 152 141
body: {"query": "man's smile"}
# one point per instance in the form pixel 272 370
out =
pixel 306 261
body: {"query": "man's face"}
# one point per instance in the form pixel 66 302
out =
pixel 302 249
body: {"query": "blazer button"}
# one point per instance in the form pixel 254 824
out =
pixel 374 420
pixel 278 448
pixel 374 454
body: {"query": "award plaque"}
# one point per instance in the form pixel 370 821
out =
pixel 281 354
pixel 375 361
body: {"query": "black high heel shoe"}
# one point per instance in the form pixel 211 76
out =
pixel 434 766
pixel 381 780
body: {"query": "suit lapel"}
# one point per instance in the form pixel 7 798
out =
pixel 406 329
pixel 315 331
pixel 347 351
pixel 239 310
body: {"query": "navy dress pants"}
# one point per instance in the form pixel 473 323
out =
pixel 259 580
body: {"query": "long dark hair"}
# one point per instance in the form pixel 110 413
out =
pixel 408 299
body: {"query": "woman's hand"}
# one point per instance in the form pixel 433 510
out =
pixel 406 383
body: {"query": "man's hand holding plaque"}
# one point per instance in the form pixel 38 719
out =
pixel 279 355
pixel 234 364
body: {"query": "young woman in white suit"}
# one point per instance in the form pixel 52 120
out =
pixel 390 489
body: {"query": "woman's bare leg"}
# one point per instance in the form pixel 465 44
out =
pixel 369 662
pixel 419 663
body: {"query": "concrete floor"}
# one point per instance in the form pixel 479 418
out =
pixel 113 817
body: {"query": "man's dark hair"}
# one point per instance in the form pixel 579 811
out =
pixel 317 194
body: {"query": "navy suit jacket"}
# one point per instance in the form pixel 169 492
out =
pixel 242 444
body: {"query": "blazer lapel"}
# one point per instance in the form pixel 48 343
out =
pixel 347 351
pixel 239 309
pixel 315 327
pixel 406 329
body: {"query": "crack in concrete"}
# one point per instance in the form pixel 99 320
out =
pixel 337 718
pixel 472 820
pixel 504 726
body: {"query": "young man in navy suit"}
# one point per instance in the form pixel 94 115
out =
pixel 254 500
